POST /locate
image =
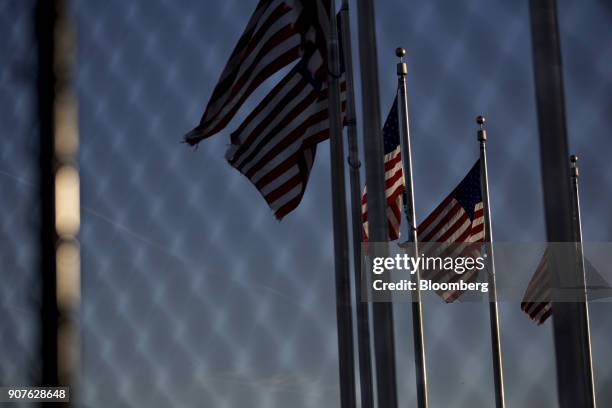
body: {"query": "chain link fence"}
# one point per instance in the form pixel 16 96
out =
pixel 193 294
pixel 19 223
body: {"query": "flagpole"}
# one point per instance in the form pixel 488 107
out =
pixel 574 373
pixel 574 174
pixel 409 211
pixel 341 254
pixel 382 312
pixel 363 318
pixel 493 312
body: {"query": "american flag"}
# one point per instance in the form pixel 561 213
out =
pixel 452 229
pixel 274 37
pixel 275 146
pixel 394 179
pixel 537 298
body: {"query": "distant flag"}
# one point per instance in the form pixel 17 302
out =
pixel 537 298
pixel 275 146
pixel 452 229
pixel 275 36
pixel 394 178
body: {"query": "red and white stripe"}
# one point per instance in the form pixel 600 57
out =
pixel 394 188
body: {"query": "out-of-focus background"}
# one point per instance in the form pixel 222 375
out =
pixel 192 293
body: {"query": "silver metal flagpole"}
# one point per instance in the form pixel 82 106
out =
pixel 574 174
pixel 341 253
pixel 493 312
pixel 409 211
pixel 382 312
pixel 363 318
pixel 570 319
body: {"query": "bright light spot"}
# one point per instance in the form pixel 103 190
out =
pixel 67 216
pixel 68 274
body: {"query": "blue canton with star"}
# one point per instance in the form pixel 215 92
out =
pixel 468 192
pixel 391 136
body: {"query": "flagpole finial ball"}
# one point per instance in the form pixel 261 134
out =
pixel 573 158
pixel 400 52
pixel 480 120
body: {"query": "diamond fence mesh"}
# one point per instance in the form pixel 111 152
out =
pixel 19 232
pixel 193 294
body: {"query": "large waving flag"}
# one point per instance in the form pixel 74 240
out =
pixel 275 36
pixel 275 146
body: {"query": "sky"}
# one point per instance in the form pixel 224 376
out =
pixel 193 294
